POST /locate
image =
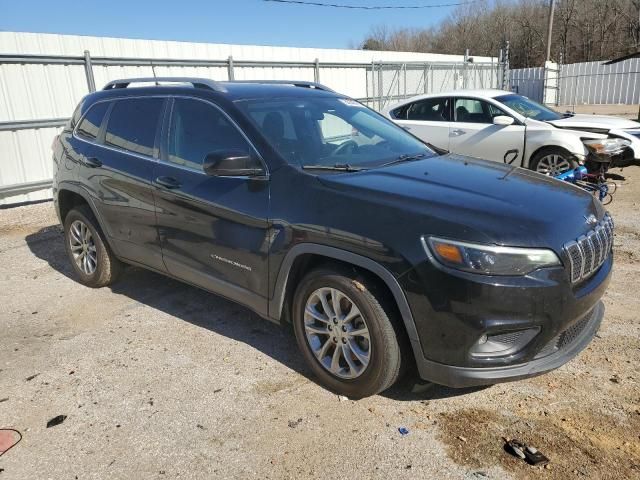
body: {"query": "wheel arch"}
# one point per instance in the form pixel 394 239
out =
pixel 310 254
pixel 570 144
pixel 550 148
pixel 69 196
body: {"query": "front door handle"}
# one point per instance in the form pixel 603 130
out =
pixel 92 162
pixel 457 132
pixel 168 182
pixel 406 127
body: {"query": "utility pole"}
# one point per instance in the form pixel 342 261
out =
pixel 552 7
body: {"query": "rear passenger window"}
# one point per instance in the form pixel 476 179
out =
pixel 430 109
pixel 90 124
pixel 198 129
pixel 132 124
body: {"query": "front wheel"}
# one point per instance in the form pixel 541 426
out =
pixel 351 342
pixel 553 161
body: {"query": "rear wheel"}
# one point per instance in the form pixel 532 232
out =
pixel 553 161
pixel 351 342
pixel 92 260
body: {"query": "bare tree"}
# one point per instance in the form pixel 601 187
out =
pixel 585 30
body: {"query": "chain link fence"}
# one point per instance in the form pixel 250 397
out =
pixel 388 83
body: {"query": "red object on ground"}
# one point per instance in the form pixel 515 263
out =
pixel 8 438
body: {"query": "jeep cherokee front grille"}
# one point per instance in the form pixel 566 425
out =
pixel 586 254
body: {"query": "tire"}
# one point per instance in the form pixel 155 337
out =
pixel 101 267
pixel 553 161
pixel 385 334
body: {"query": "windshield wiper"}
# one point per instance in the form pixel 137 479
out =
pixel 340 167
pixel 404 158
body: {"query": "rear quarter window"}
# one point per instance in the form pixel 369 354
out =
pixel 73 121
pixel 89 126
pixel 400 113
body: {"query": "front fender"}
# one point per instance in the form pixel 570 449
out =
pixel 567 140
pixel 276 303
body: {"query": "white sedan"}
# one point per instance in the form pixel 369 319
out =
pixel 507 127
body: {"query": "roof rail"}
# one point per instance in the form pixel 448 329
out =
pixel 196 82
pixel 295 83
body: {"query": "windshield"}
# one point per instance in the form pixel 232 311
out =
pixel 527 107
pixel 331 132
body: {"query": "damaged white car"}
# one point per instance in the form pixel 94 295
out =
pixel 503 126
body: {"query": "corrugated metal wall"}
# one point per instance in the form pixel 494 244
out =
pixel 592 83
pixel 50 91
pixel 589 83
pixel 528 82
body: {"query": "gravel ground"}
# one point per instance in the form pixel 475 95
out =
pixel 161 380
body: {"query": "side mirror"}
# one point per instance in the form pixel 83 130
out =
pixel 231 163
pixel 503 120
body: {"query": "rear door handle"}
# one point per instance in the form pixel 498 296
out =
pixel 92 162
pixel 457 132
pixel 168 182
pixel 405 127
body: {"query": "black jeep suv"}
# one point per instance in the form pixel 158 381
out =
pixel 311 209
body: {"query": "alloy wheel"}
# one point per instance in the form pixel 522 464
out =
pixel 337 333
pixel 553 165
pixel 83 248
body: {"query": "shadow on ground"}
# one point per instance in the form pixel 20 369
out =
pixel 217 314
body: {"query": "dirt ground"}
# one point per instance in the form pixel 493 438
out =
pixel 161 380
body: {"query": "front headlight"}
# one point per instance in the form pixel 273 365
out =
pixel 489 259
pixel 607 146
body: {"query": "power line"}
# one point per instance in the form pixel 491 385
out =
pixel 369 7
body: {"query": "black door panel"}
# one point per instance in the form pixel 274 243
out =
pixel 117 168
pixel 168 182
pixel 125 196
pixel 213 230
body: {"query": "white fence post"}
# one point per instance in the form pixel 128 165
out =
pixel 550 92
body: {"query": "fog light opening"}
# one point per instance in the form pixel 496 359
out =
pixel 501 344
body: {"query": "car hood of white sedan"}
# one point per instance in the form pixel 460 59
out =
pixel 595 121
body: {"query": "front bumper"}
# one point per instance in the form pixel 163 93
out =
pixel 550 358
pixel 454 310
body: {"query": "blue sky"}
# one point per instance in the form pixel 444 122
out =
pixel 217 21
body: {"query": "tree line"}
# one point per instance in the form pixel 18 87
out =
pixel 583 31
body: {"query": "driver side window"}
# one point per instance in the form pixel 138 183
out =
pixel 473 110
pixel 197 129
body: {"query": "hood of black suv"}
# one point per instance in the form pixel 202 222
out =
pixel 476 200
